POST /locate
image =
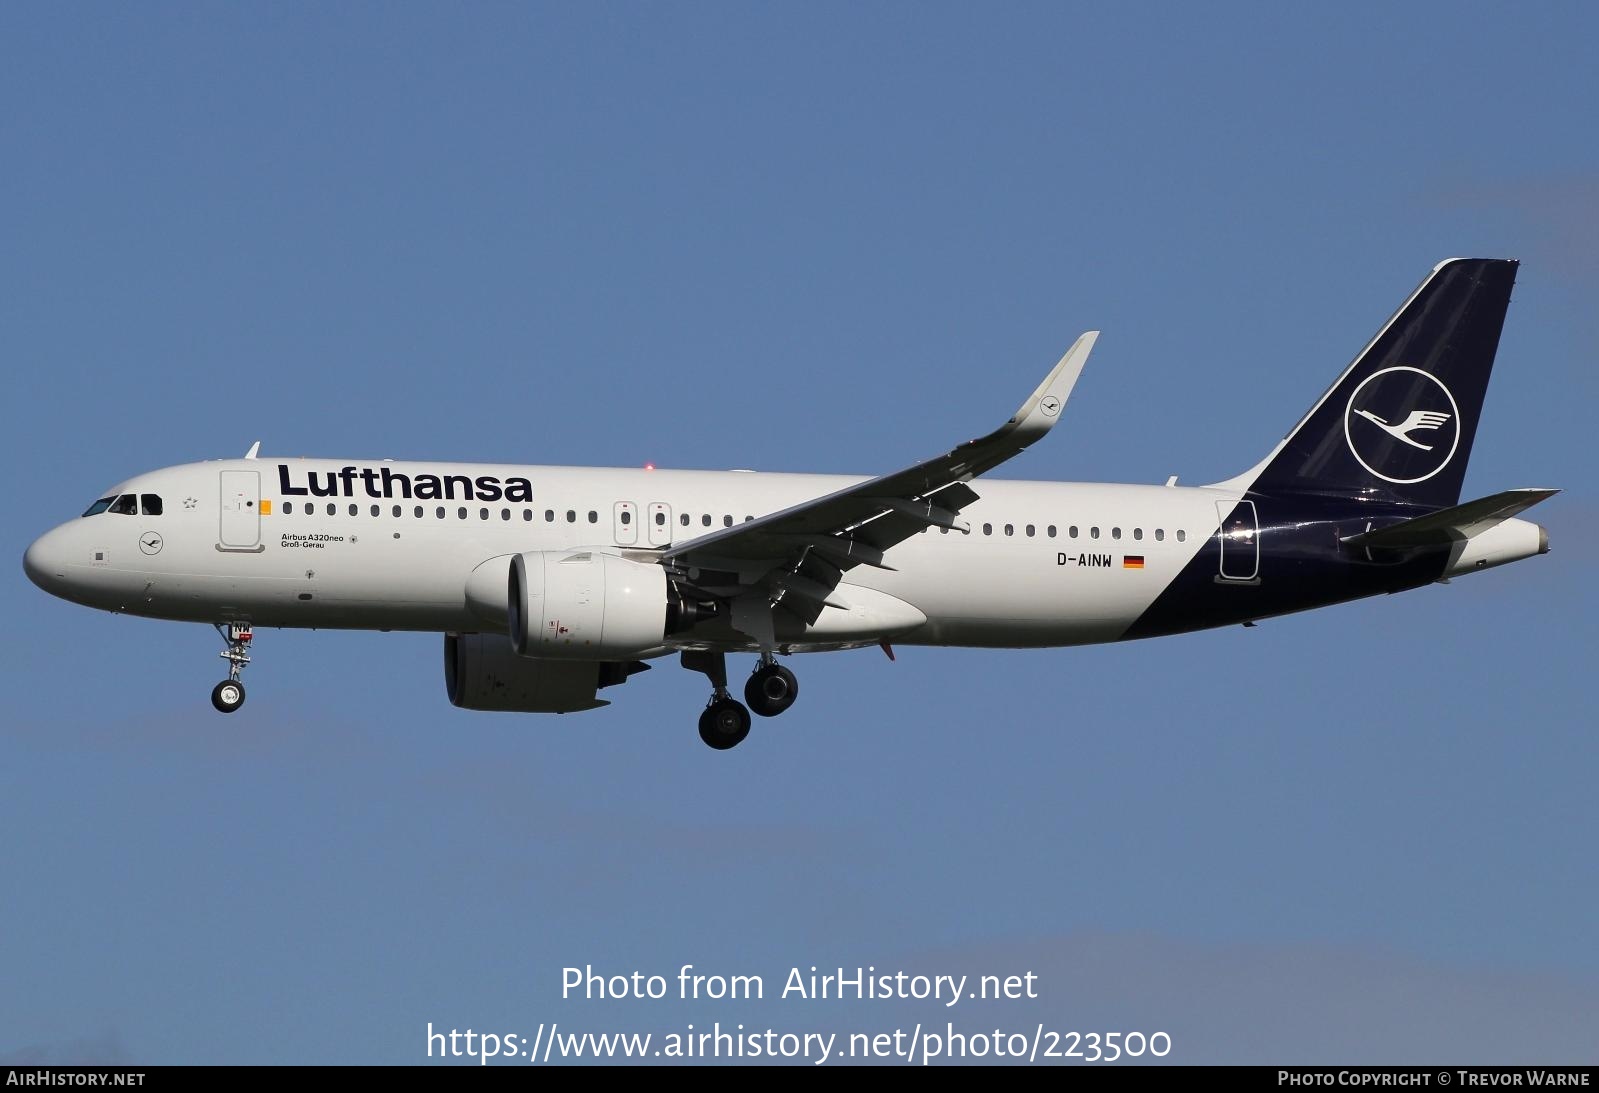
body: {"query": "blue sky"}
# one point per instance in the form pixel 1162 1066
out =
pixel 823 238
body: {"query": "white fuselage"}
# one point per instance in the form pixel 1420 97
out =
pixel 1044 563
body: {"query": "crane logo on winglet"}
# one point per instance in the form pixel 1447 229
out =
pixel 1411 407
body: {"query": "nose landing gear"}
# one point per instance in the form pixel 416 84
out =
pixel 228 695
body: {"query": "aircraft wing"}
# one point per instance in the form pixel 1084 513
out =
pixel 800 552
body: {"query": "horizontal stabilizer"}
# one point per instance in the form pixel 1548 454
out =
pixel 1452 525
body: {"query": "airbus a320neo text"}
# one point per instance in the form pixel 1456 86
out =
pixel 553 585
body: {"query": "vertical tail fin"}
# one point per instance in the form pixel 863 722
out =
pixel 1399 422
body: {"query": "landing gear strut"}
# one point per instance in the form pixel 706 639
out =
pixel 228 695
pixel 771 688
pixel 725 722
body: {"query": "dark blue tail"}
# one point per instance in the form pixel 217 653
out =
pixel 1398 424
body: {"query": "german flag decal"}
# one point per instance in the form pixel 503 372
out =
pixel 1132 561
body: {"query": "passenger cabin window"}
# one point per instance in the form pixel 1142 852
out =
pixel 332 508
pixel 727 521
pixel 1138 533
pixel 355 510
pixel 627 518
pixel 682 518
pixel 126 505
pixel 571 516
pixel 1182 536
pixel 660 519
pixel 99 506
pixel 1093 533
pixel 706 519
pixel 150 503
pixel 594 517
pixel 1072 531
pixel 1115 533
pixel 988 529
pixel 1160 535
pixel 1051 530
pixel 288 508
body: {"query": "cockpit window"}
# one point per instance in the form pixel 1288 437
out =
pixel 150 503
pixel 126 505
pixel 99 506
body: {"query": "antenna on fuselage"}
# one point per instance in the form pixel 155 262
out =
pixel 254 448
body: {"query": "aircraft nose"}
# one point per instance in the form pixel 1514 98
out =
pixel 45 561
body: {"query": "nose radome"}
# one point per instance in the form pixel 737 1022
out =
pixel 44 561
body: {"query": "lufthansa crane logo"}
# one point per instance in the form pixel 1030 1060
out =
pixel 1418 419
pixel 150 543
pixel 1050 405
pixel 1402 424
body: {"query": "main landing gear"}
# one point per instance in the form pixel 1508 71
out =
pixel 228 695
pixel 771 688
pixel 726 722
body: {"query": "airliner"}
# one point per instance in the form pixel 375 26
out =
pixel 553 584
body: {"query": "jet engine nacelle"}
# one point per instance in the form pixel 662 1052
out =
pixel 589 605
pixel 483 672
